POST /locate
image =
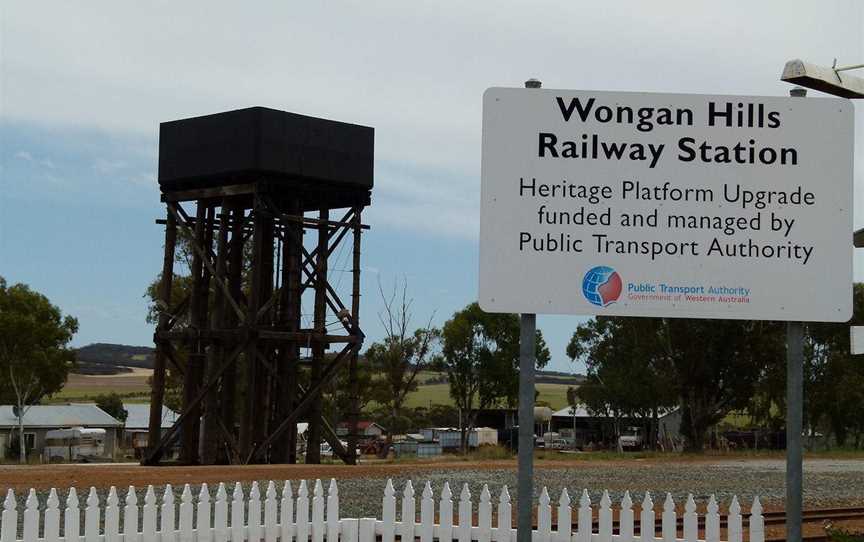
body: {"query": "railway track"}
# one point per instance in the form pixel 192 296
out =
pixel 818 516
pixel 771 519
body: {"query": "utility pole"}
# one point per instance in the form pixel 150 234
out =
pixel 527 353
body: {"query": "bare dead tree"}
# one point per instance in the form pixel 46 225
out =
pixel 403 353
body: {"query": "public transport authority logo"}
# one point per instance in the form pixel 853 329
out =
pixel 601 286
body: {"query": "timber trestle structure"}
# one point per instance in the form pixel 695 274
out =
pixel 240 325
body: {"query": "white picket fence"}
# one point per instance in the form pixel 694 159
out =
pixel 286 518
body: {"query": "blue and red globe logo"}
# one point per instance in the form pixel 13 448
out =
pixel 601 286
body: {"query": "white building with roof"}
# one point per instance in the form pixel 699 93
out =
pixel 39 419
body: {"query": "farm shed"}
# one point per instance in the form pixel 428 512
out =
pixel 39 419
pixel 417 444
pixel 486 436
pixel 365 429
pixel 450 437
pixel 586 427
pixel 136 428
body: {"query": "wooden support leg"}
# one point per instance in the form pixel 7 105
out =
pixel 210 431
pixel 235 286
pixel 195 362
pixel 353 381
pixel 264 349
pixel 247 427
pixel 313 444
pixel 285 448
pixel 157 392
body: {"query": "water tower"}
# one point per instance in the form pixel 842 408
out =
pixel 260 199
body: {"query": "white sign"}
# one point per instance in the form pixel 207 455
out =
pixel 856 339
pixel 673 205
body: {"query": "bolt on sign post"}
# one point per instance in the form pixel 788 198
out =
pixel 665 205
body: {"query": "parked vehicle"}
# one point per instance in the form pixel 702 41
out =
pixel 327 450
pixel 632 439
pixel 74 444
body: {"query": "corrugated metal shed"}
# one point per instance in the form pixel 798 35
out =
pixel 138 417
pixel 58 416
pixel 428 449
pixel 486 436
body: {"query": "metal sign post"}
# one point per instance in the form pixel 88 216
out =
pixel 527 327
pixel 527 348
pixel 794 416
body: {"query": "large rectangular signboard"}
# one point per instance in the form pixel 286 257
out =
pixel 673 205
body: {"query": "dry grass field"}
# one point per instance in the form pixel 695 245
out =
pixel 132 386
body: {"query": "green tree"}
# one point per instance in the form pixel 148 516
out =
pixel 34 357
pixel 112 403
pixel 711 366
pixel 624 377
pixel 480 354
pixel 834 378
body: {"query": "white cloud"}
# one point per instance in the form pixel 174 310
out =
pixel 106 166
pixel 24 155
pixel 416 73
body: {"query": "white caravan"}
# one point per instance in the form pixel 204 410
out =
pixel 74 444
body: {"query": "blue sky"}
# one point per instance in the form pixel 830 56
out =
pixel 82 93
pixel 95 246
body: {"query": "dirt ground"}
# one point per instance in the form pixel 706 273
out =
pixel 19 477
pixel 125 474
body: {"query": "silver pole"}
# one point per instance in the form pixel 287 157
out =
pixel 525 497
pixel 526 427
pixel 794 415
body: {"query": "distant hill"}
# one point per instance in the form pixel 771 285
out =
pixel 542 377
pixel 558 377
pixel 103 358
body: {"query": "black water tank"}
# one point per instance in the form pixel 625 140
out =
pixel 258 142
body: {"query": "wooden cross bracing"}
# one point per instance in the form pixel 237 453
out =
pixel 243 332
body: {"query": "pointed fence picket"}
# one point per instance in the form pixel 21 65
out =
pixel 200 518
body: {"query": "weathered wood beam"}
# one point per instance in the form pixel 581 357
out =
pixel 353 379
pixel 177 211
pixel 170 352
pixel 235 285
pixel 305 400
pixel 313 433
pixel 153 455
pixel 157 393
pixel 195 359
pixel 208 193
pixel 212 416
